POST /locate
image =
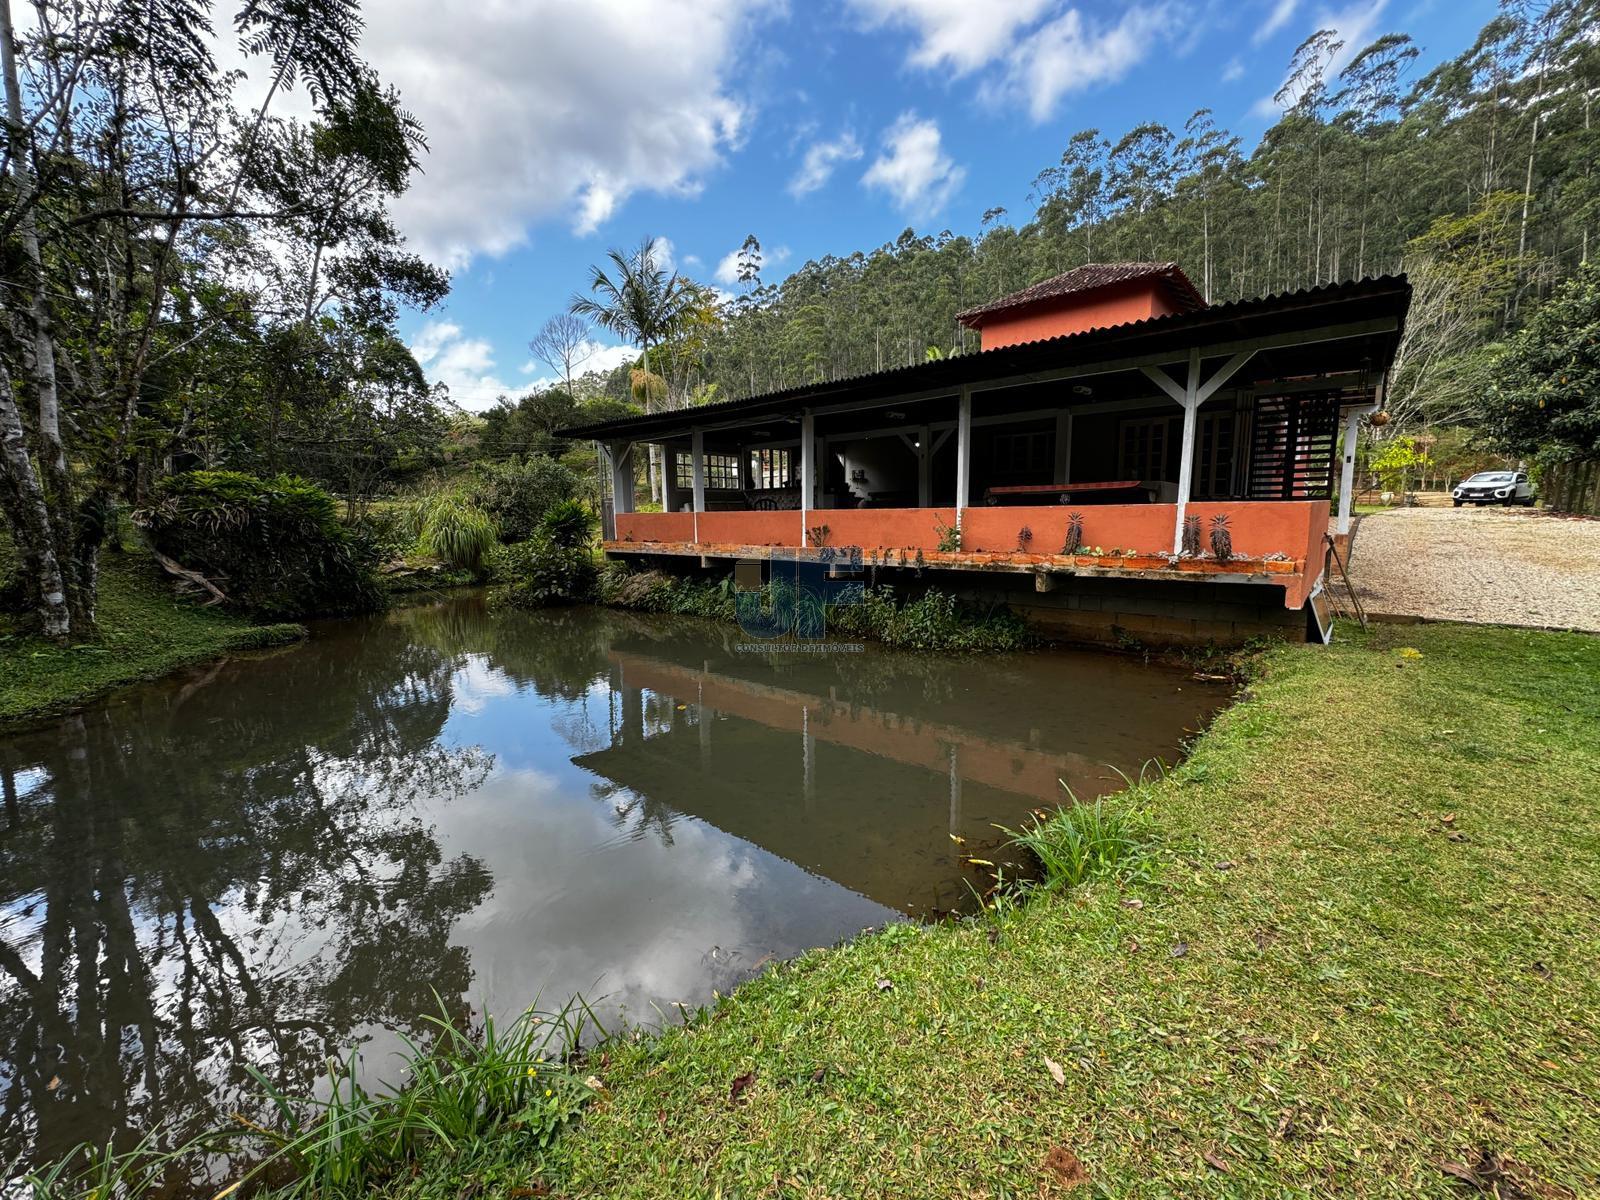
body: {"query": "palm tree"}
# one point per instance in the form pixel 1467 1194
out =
pixel 642 302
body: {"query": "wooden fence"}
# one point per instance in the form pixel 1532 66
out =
pixel 1572 487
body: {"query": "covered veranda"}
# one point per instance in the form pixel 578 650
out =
pixel 982 462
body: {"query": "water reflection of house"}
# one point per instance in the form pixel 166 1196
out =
pixel 1114 391
pixel 864 794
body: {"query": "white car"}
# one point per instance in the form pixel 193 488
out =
pixel 1494 487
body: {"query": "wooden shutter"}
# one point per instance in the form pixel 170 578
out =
pixel 1292 447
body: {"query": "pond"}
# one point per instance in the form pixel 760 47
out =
pixel 269 859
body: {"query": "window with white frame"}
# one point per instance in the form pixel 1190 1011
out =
pixel 722 471
pixel 772 468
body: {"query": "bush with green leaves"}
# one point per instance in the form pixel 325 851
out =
pixel 274 546
pixel 568 523
pixel 542 572
pixel 518 493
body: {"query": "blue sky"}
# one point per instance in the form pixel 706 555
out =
pixel 559 128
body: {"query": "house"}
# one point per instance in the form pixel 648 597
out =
pixel 1110 404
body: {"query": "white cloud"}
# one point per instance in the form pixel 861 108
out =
pixel 1233 72
pixel 817 167
pixel 1033 52
pixel 550 109
pixel 463 364
pixel 727 271
pixel 913 167
pixel 957 34
pixel 1354 25
pixel 1282 10
pixel 1071 53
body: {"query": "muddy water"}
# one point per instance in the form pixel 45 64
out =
pixel 268 860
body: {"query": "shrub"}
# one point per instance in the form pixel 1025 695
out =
pixel 518 493
pixel 380 535
pixel 542 572
pixel 275 546
pixel 456 532
pixel 568 523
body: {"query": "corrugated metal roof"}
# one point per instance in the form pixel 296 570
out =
pixel 1152 334
pixel 1090 278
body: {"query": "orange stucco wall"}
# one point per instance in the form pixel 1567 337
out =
pixel 1143 527
pixel 655 527
pixel 894 528
pixel 1074 314
pixel 752 528
pixel 1292 528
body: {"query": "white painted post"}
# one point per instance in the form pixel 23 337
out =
pixel 621 456
pixel 1191 396
pixel 697 452
pixel 1191 419
pixel 1347 470
pixel 963 452
pixel 924 468
pixel 808 450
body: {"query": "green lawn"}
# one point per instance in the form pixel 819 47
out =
pixel 1368 967
pixel 145 632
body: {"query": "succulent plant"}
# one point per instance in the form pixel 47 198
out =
pixel 1191 537
pixel 1074 540
pixel 1221 538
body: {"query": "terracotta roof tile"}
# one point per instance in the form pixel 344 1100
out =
pixel 1089 278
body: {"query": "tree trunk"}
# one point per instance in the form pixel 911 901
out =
pixel 30 518
pixel 45 508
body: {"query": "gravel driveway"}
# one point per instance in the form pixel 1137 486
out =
pixel 1504 566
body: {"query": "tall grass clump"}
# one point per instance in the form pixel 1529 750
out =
pixel 458 533
pixel 1079 843
pixel 506 1091
pixel 447 526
